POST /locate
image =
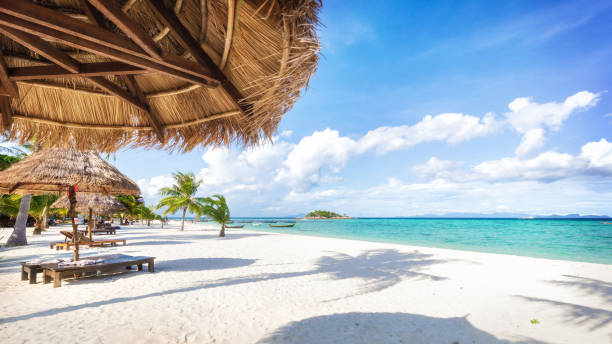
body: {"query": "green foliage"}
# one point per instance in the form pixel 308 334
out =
pixel 7 160
pixel 217 210
pixel 323 213
pixel 39 205
pixel 9 205
pixel 132 207
pixel 181 195
pixel 535 321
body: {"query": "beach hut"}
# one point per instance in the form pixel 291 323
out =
pixel 94 204
pixel 59 170
pixel 178 74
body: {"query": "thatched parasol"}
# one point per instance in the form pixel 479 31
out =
pixel 93 204
pixel 56 170
pixel 102 204
pixel 103 75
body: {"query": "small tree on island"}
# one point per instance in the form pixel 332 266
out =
pixel 181 195
pixel 217 210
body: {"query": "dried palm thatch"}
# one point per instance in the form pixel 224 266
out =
pixel 55 170
pixel 100 204
pixel 176 74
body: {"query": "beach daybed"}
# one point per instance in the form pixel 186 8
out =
pixel 84 240
pixel 94 265
pixel 29 271
pixel 105 230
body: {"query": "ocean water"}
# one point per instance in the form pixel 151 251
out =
pixel 576 240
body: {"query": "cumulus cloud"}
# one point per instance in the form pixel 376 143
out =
pixel 526 114
pixel 435 168
pixel 151 187
pixel 284 177
pixel 598 156
pixel 450 127
pixel 531 140
pixel 302 167
pixel 594 158
pixel 531 118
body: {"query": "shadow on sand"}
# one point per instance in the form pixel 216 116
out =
pixel 589 286
pixel 382 328
pixel 201 264
pixel 380 269
pixel 577 314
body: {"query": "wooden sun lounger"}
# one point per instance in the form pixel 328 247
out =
pixel 117 263
pixel 84 240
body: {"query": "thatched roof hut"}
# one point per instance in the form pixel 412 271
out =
pixel 179 74
pixel 57 169
pixel 100 204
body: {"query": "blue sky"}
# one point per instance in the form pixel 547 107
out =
pixel 431 107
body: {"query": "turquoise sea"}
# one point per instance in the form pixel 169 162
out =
pixel 577 240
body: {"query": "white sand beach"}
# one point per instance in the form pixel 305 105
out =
pixel 254 287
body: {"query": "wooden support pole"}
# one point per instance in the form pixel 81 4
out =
pixel 152 115
pixel 188 42
pixel 7 112
pixel 43 48
pixel 87 69
pixel 72 211
pixel 90 224
pixel 53 25
pixel 129 27
pixel 9 85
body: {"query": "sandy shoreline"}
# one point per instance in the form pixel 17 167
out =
pixel 256 287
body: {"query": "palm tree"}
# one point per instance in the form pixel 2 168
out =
pixel 132 208
pixel 217 210
pixel 181 195
pixel 18 236
pixel 39 206
pixel 9 205
pixel 148 213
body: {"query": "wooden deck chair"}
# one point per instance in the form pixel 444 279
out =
pixel 84 240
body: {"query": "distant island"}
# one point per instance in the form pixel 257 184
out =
pixel 324 214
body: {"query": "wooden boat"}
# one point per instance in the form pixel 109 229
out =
pixel 236 226
pixel 284 225
pixel 607 223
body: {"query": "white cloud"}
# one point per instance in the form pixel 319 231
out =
pixel 435 168
pixel 598 156
pixel 532 140
pixel 594 158
pixel 302 166
pixel 285 178
pixel 526 114
pixel 546 166
pixel 531 118
pixel 151 187
pixel 450 127
pixel 286 133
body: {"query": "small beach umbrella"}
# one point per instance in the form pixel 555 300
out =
pixel 59 170
pixel 86 202
pixel 182 74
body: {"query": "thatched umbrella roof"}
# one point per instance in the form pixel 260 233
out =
pixel 179 74
pixel 57 169
pixel 101 204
